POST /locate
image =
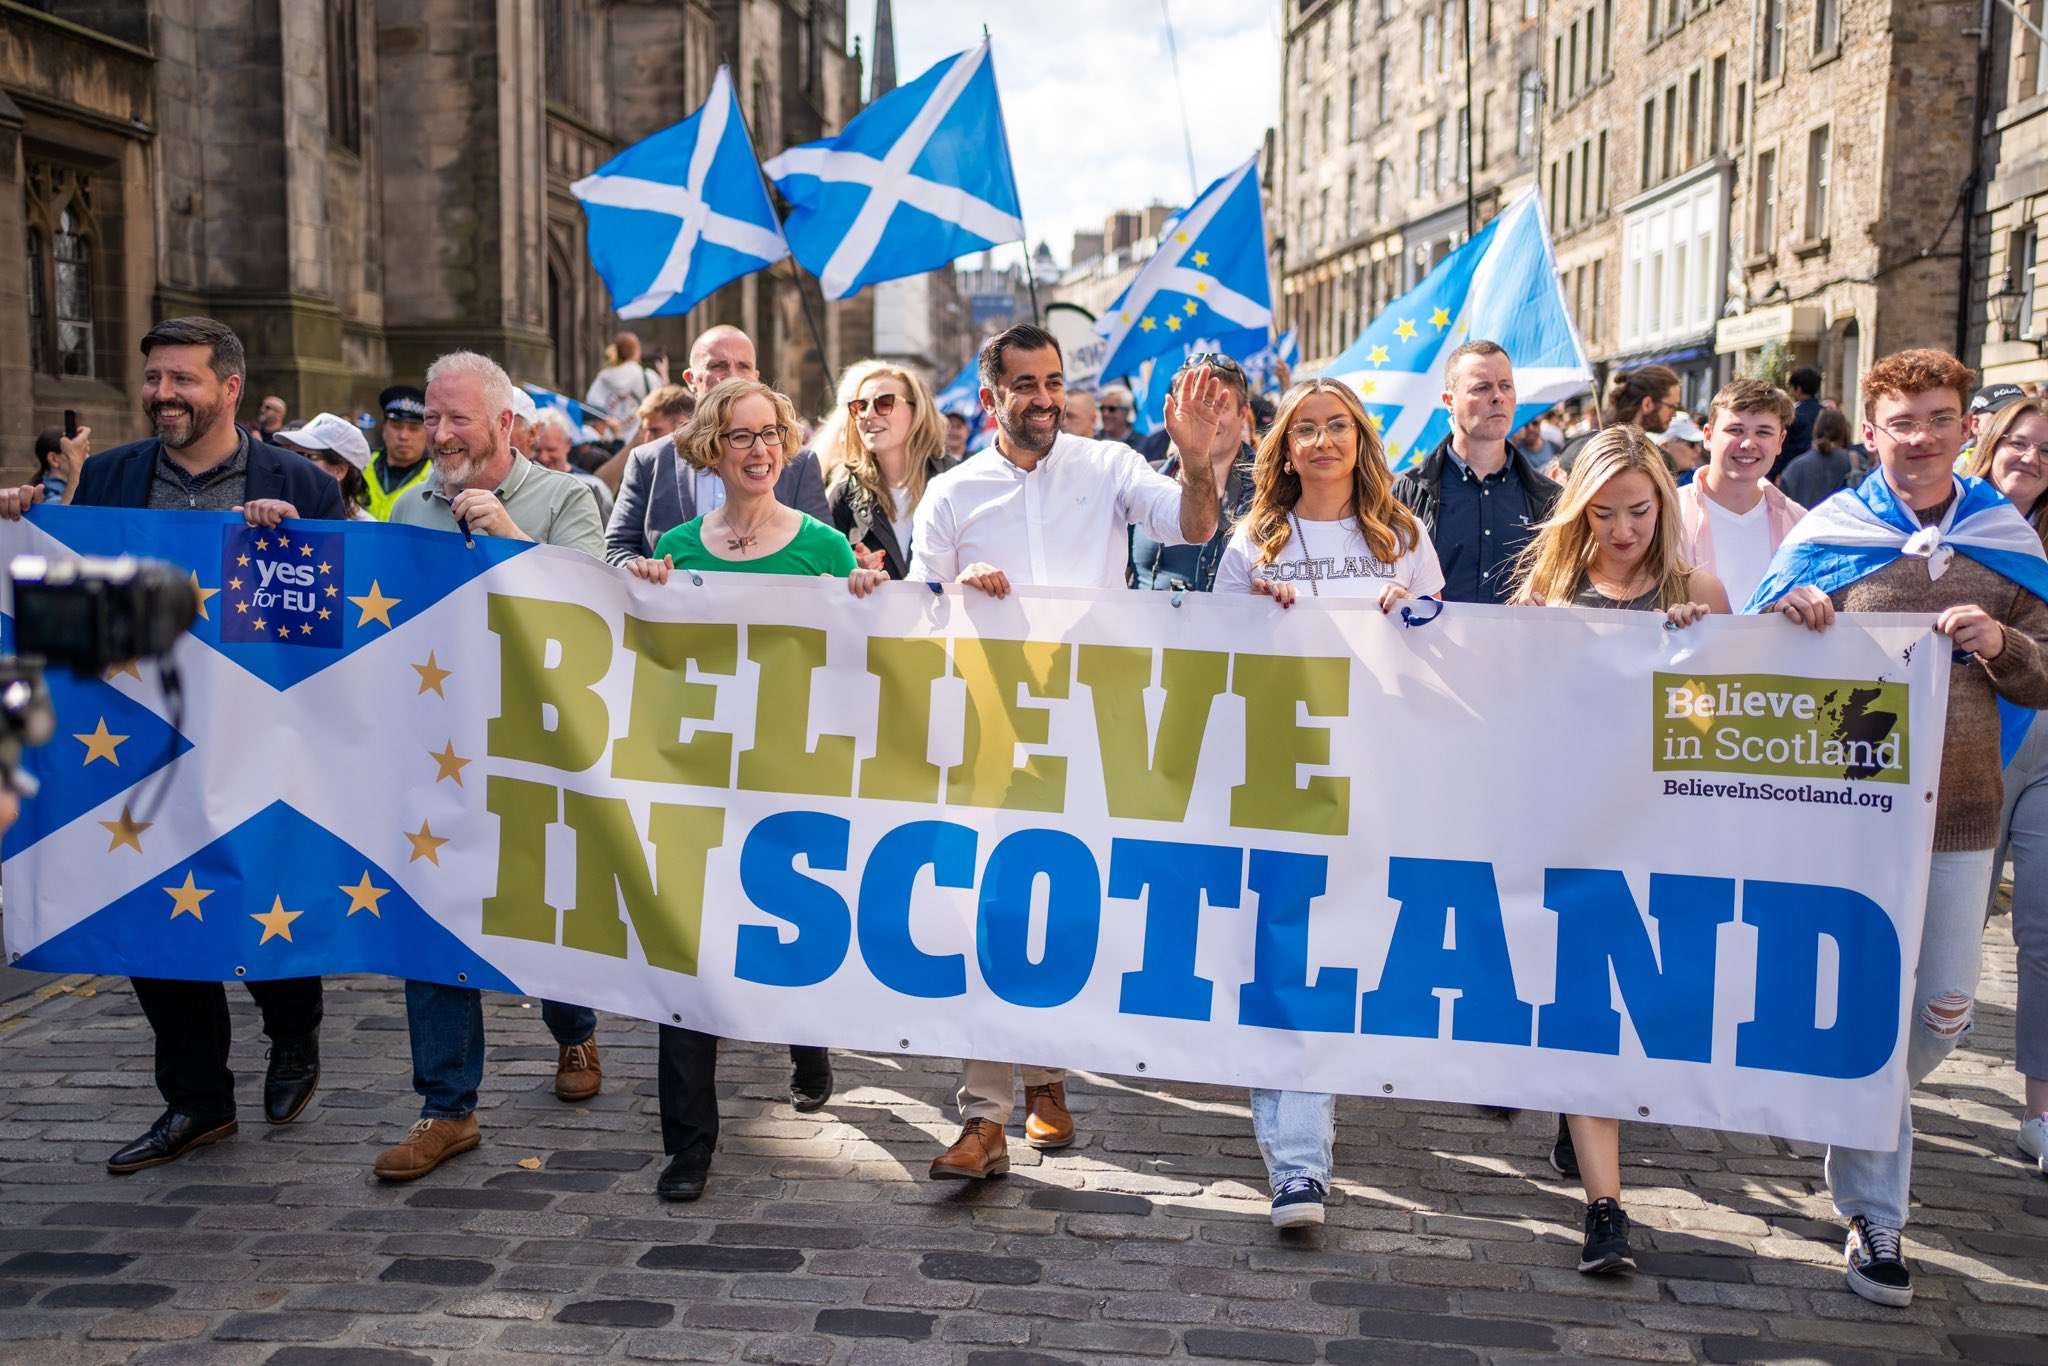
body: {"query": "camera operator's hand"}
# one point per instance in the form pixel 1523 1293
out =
pixel 14 502
pixel 267 511
pixel 485 515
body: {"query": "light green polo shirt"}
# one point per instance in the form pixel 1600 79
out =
pixel 552 507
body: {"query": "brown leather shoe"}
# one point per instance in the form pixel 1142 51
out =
pixel 980 1152
pixel 1046 1121
pixel 428 1144
pixel 578 1076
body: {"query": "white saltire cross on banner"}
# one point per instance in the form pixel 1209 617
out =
pixel 689 203
pixel 890 183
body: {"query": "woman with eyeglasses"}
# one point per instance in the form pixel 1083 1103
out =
pixel 1323 523
pixel 743 432
pixel 2012 452
pixel 895 444
pixel 1614 541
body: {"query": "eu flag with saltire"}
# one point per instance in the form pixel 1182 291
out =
pixel 1207 278
pixel 681 213
pixel 918 178
pixel 1501 286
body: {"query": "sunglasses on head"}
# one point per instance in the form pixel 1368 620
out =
pixel 882 404
pixel 1216 359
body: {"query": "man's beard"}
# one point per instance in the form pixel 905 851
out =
pixel 179 425
pixel 1019 435
pixel 458 469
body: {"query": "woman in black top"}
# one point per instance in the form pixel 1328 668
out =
pixel 895 444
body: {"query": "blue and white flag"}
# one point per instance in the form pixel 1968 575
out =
pixel 920 177
pixel 1154 380
pixel 1501 286
pixel 962 393
pixel 1263 366
pixel 1856 532
pixel 678 214
pixel 578 415
pixel 1208 276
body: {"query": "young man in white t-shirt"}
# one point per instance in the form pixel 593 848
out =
pixel 1731 516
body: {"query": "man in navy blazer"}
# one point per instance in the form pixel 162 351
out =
pixel 193 371
pixel 656 492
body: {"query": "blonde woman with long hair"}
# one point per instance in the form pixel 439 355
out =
pixel 895 442
pixel 833 438
pixel 1323 520
pixel 1614 542
pixel 1323 524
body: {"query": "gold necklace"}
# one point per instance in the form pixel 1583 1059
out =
pixel 738 540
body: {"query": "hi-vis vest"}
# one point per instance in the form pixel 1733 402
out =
pixel 381 502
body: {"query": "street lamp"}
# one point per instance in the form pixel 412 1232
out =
pixel 2004 308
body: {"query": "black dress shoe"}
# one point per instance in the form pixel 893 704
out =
pixel 168 1140
pixel 682 1179
pixel 810 1083
pixel 293 1076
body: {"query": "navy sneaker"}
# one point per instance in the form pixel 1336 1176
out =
pixel 1607 1248
pixel 1297 1202
pixel 1564 1158
pixel 1877 1264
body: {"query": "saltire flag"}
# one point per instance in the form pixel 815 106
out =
pixel 1207 277
pixel 1154 380
pixel 680 213
pixel 918 178
pixel 1263 366
pixel 962 395
pixel 578 415
pixel 1501 286
pixel 236 844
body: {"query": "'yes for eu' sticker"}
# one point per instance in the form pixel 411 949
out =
pixel 281 586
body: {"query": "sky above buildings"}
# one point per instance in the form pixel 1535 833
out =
pixel 1088 93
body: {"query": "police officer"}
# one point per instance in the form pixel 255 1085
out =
pixel 402 464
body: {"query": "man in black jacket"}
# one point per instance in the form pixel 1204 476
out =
pixel 1478 497
pixel 192 379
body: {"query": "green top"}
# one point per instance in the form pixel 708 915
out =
pixel 815 549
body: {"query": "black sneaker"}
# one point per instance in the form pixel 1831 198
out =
pixel 1564 1158
pixel 1607 1246
pixel 1877 1264
pixel 1297 1202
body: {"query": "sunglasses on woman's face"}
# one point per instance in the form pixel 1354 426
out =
pixel 331 460
pixel 882 404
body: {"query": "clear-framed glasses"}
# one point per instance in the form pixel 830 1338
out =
pixel 1906 428
pixel 2020 446
pixel 881 404
pixel 1338 429
pixel 740 439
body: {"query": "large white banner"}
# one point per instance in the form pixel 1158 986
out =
pixel 1557 859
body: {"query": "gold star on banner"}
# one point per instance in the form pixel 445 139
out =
pixel 375 606
pixel 128 668
pixel 1406 331
pixel 1201 259
pixel 1368 387
pixel 325 614
pixel 325 567
pixel 262 544
pixel 1181 238
pixel 242 560
pixel 1440 320
pixel 1378 356
pixel 1146 324
pixel 1172 323
pixel 203 594
pixel 241 606
pixel 1191 308
pixel 276 922
pixel 432 675
pixel 235 584
pixel 425 845
pixel 1393 455
pixel 1463 328
pixel 364 897
pixel 332 590
pixel 306 549
pixel 185 900
pixel 1201 286
pixel 305 628
pixel 448 764
pixel 1126 316
pixel 100 745
pixel 1378 423
pixel 260 624
pixel 283 539
pixel 126 831
pixel 284 633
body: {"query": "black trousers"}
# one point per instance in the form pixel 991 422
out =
pixel 193 1034
pixel 687 1086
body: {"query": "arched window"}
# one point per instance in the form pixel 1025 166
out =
pixel 62 237
pixel 71 251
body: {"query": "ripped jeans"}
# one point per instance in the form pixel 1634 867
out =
pixel 1876 1185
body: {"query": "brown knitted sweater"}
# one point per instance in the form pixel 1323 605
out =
pixel 1971 786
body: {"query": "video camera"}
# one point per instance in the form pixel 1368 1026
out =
pixel 85 615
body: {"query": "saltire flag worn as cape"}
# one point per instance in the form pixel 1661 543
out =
pixel 1856 532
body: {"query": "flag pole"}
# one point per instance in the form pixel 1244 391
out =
pixel 796 269
pixel 1030 275
pixel 1465 142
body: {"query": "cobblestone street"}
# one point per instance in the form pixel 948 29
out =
pixel 1449 1238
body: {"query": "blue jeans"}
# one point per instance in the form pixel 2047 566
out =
pixel 1876 1185
pixel 1295 1130
pixel 447 1029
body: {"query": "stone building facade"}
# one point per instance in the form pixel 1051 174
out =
pixel 358 185
pixel 2009 315
pixel 1378 144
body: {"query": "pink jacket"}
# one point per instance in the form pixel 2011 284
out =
pixel 1696 529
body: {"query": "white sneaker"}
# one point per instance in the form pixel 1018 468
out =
pixel 2033 1141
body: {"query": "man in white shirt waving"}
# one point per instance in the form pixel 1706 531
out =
pixel 1045 508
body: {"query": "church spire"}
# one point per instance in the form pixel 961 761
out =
pixel 884 78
